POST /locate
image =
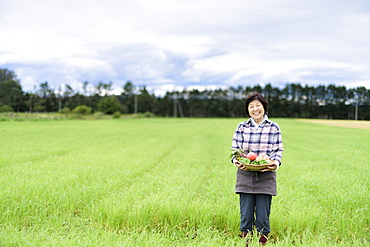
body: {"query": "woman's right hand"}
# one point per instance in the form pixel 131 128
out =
pixel 240 165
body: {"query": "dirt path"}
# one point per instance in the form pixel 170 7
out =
pixel 360 124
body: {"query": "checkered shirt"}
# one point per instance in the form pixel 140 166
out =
pixel 261 139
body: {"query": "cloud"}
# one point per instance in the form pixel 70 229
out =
pixel 181 44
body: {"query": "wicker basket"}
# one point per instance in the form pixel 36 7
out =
pixel 255 168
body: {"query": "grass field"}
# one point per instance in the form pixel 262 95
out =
pixel 168 182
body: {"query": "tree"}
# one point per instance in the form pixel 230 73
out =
pixel 99 87
pixel 6 108
pixel 49 98
pixel 109 105
pixel 292 100
pixel 146 102
pixel 6 74
pixel 82 110
pixel 11 93
pixel 127 96
pixel 84 87
pixel 67 97
pixel 128 88
pixel 107 88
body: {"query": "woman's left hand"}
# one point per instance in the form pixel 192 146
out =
pixel 273 164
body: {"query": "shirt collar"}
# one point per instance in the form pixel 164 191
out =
pixel 265 119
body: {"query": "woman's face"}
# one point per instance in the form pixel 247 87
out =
pixel 256 111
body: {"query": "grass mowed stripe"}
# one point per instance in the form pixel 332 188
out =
pixel 360 124
pixel 168 182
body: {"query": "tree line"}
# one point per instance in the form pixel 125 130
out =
pixel 293 100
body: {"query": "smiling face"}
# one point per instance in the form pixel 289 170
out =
pixel 256 111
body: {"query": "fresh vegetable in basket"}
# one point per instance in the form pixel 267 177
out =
pixel 250 157
pixel 244 160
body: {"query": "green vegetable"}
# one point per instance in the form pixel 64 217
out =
pixel 263 162
pixel 240 155
pixel 235 152
pixel 245 160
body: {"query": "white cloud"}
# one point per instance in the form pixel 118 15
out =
pixel 176 44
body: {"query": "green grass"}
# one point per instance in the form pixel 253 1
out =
pixel 168 182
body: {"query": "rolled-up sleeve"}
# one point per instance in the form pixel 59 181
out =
pixel 277 147
pixel 238 138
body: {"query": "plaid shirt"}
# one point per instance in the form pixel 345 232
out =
pixel 261 139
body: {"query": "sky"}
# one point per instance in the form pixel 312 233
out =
pixel 169 45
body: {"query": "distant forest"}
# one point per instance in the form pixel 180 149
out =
pixel 293 100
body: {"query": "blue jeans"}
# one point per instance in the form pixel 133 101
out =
pixel 255 211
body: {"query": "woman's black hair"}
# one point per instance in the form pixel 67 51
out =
pixel 256 96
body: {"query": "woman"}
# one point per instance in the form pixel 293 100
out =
pixel 263 137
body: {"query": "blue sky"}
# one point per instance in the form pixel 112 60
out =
pixel 173 44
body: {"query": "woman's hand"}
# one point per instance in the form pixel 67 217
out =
pixel 273 165
pixel 240 165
